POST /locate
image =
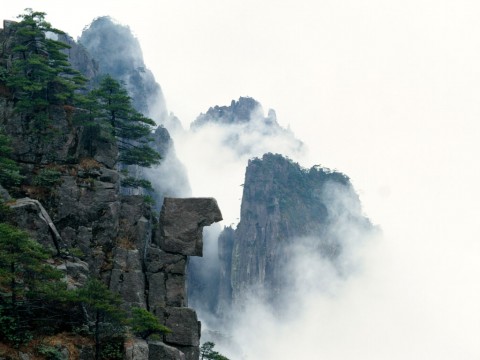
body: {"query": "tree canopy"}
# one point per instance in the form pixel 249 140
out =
pixel 28 284
pixel 9 170
pixel 207 352
pixel 110 107
pixel 40 74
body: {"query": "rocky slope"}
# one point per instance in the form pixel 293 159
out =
pixel 118 53
pixel 98 232
pixel 282 204
pixel 245 130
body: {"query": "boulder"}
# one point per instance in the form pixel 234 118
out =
pixel 127 278
pixel 182 222
pixel 161 351
pixel 137 350
pixel 31 216
pixel 184 325
pixel 4 195
pixel 159 260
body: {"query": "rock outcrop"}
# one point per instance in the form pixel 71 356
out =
pixel 71 201
pixel 283 203
pixel 245 130
pixel 118 53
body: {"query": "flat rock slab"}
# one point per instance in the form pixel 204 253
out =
pixel 182 221
pixel 160 351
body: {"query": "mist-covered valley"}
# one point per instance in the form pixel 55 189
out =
pixel 349 225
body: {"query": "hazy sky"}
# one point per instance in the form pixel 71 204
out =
pixel 385 91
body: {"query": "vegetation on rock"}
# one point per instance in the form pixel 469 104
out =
pixel 40 74
pixel 9 170
pixel 143 323
pixel 207 352
pixel 29 286
pixel 111 116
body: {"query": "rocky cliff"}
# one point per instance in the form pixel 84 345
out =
pixel 282 204
pixel 245 130
pixel 70 201
pixel 118 53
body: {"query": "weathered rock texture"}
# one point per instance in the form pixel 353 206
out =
pixel 179 236
pixel 183 220
pixel 243 123
pixel 282 203
pixel 99 232
pixel 118 53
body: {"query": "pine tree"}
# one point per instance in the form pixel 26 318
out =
pixel 114 112
pixel 9 170
pixel 26 282
pixel 144 323
pixel 207 352
pixel 101 310
pixel 40 74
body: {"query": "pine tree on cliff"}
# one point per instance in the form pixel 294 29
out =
pixel 28 284
pixel 40 74
pixel 112 113
pixel 9 170
pixel 102 312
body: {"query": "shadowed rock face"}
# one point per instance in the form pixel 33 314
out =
pixel 182 222
pixel 83 209
pixel 117 52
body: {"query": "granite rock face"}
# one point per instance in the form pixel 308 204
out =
pixel 117 52
pixel 79 211
pixel 179 236
pixel 281 204
pixel 182 223
pixel 161 351
pixel 137 350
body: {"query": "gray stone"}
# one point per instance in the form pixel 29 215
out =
pixel 159 260
pixel 156 291
pixel 182 222
pixel 23 356
pixel 191 352
pixel 86 352
pixel 126 260
pixel 136 350
pixel 176 290
pixel 135 223
pixel 160 351
pixel 77 272
pixel 4 195
pixel 84 239
pixel 130 286
pixel 184 325
pixel 31 216
pixel 127 277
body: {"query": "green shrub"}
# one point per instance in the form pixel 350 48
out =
pixel 50 352
pixel 47 178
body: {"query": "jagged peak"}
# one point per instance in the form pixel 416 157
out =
pixel 237 112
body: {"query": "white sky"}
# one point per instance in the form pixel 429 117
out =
pixel 386 91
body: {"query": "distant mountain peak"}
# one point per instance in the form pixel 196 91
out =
pixel 118 53
pixel 238 112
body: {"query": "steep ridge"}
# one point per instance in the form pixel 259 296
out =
pixel 244 128
pixel 69 200
pixel 282 204
pixel 118 53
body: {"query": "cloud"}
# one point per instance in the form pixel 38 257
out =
pixel 216 155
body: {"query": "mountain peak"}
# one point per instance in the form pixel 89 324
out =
pixel 238 112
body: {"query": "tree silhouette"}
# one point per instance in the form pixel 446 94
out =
pixel 40 74
pixel 110 110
